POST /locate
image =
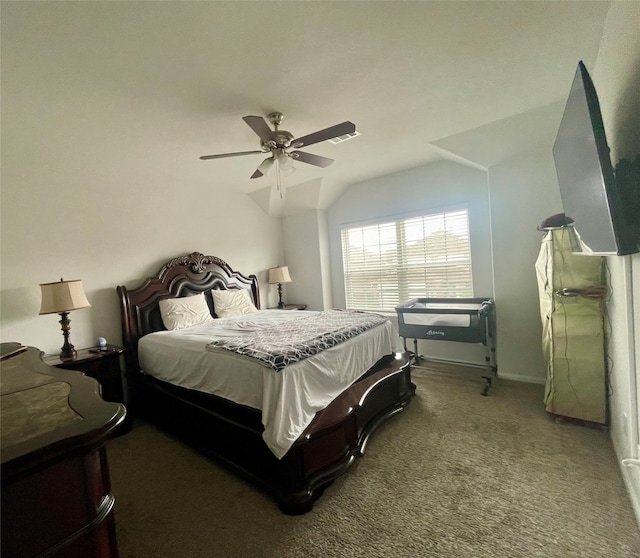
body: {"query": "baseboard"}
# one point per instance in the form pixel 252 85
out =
pixel 632 484
pixel 631 478
pixel 514 377
pixel 525 379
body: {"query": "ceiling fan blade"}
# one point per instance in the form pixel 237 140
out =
pixel 222 155
pixel 312 159
pixel 264 168
pixel 260 127
pixel 326 134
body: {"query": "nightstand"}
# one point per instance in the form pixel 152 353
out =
pixel 104 366
pixel 290 307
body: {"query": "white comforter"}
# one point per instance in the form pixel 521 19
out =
pixel 288 399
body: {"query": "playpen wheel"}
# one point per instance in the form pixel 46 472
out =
pixel 487 386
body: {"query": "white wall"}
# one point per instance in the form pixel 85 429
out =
pixel 95 185
pixel 303 246
pixel 420 190
pixel 325 260
pixel 523 191
pixel 616 76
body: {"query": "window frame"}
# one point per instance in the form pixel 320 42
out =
pixel 397 220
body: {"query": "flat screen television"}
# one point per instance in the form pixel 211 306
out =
pixel 591 196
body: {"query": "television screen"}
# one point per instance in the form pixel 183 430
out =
pixel 590 196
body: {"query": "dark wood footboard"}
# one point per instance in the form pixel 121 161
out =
pixel 339 433
pixel 231 434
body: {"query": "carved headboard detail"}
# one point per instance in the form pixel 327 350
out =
pixel 196 262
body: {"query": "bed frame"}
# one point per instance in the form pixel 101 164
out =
pixel 231 433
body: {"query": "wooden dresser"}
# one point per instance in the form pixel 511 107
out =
pixel 56 493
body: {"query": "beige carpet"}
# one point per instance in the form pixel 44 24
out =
pixel 456 475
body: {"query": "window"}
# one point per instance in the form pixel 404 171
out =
pixel 387 264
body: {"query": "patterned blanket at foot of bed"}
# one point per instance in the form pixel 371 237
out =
pixel 278 346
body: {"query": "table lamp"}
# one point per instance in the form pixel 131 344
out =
pixel 61 298
pixel 279 275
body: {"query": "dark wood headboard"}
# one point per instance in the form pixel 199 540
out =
pixel 181 276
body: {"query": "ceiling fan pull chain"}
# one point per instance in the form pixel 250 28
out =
pixel 278 179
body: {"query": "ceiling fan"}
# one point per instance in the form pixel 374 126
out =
pixel 281 144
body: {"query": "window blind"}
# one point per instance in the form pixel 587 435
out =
pixel 389 263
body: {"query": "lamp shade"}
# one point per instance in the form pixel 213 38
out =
pixel 279 275
pixel 63 296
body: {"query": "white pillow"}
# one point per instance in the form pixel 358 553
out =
pixel 178 313
pixel 232 303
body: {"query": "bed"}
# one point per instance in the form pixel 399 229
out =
pixel 465 320
pixel 239 428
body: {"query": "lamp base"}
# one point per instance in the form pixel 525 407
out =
pixel 280 303
pixel 67 351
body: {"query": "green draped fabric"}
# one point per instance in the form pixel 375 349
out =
pixel 573 338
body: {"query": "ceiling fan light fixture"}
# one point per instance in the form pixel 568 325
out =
pixel 280 143
pixel 286 166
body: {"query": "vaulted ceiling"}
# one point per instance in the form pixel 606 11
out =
pixel 471 81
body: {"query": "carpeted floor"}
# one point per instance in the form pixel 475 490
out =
pixel 457 475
